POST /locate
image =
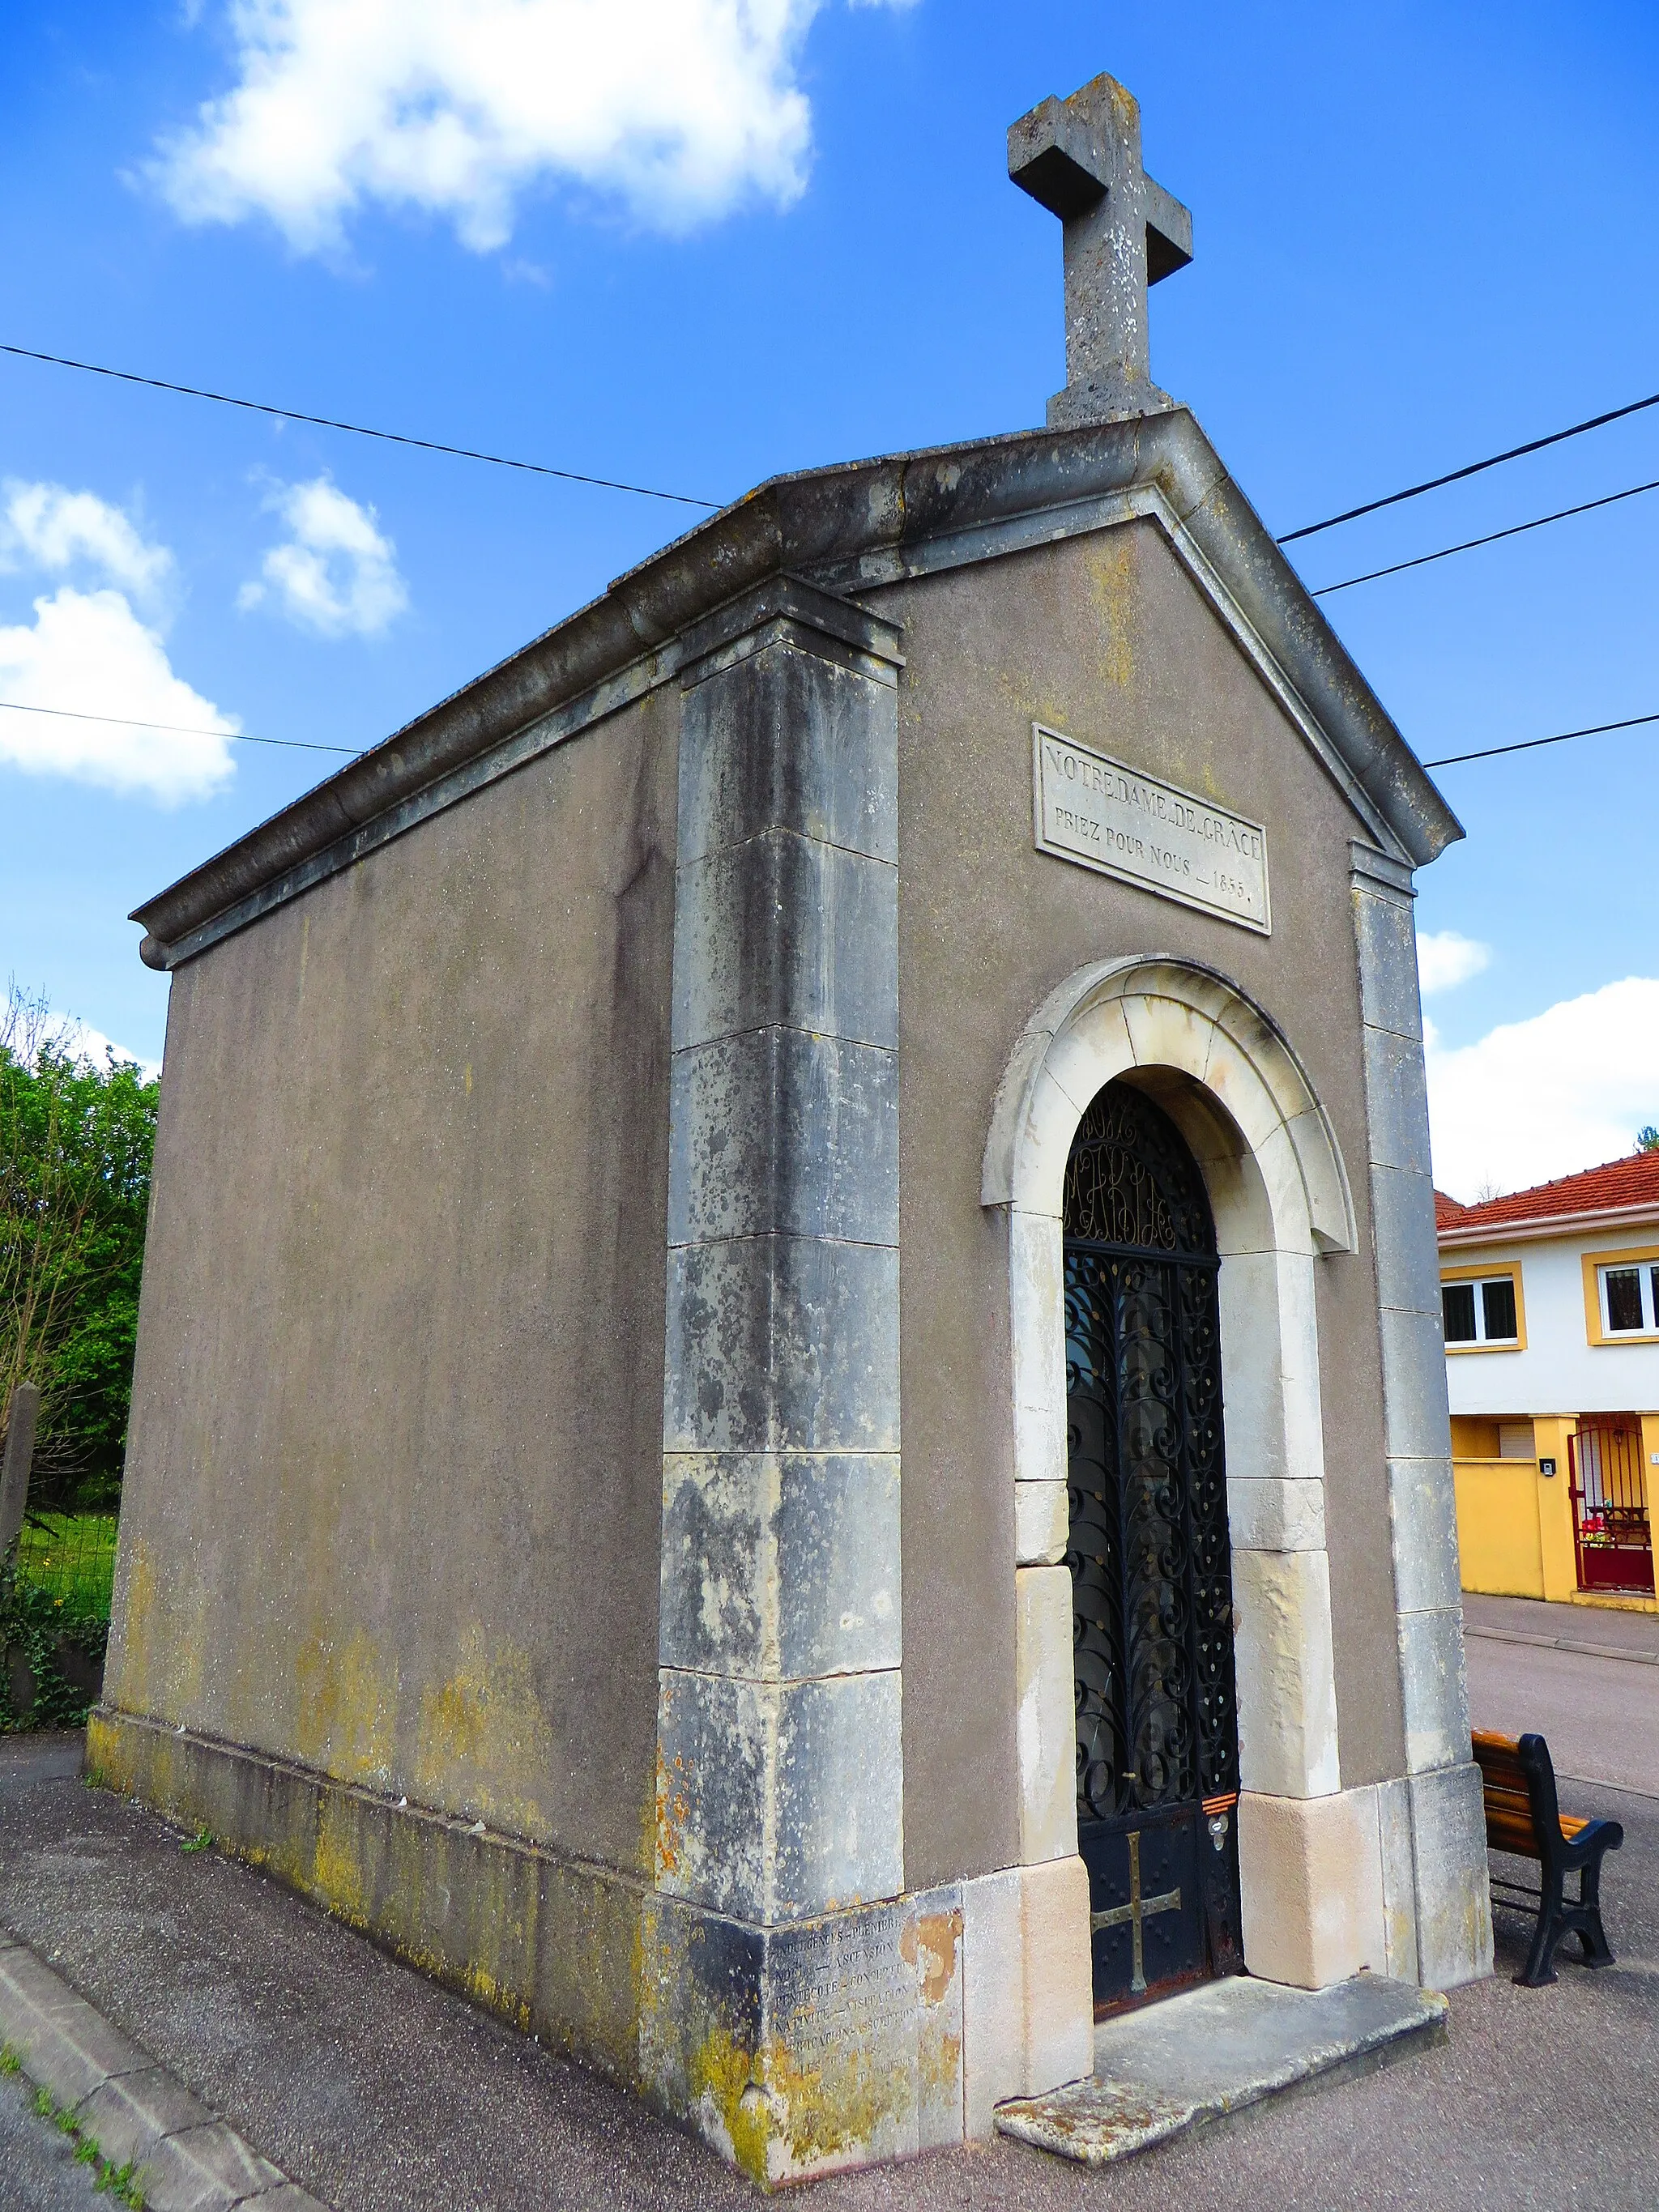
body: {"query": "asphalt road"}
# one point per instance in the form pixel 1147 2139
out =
pixel 1600 1717
pixel 377 2090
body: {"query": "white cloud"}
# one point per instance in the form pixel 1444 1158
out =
pixel 1566 1090
pixel 87 652
pixel 70 1034
pixel 337 574
pixel 1445 959
pixel 679 108
pixel 45 525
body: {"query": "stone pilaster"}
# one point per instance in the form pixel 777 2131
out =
pixel 780 1792
pixel 1452 1911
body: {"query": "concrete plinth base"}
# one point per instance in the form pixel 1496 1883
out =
pixel 1212 2051
pixel 797 2049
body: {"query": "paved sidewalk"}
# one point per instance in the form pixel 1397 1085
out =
pixel 1602 1632
pixel 376 2089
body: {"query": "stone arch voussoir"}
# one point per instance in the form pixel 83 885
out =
pixel 1228 1075
pixel 1124 1017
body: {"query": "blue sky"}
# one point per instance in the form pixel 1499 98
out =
pixel 691 256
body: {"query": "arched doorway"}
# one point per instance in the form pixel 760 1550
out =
pixel 1150 1558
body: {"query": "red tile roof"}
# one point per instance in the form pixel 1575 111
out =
pixel 1628 1182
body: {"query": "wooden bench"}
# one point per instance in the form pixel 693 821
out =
pixel 1523 1816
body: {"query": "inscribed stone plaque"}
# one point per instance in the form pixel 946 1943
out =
pixel 842 2010
pixel 1104 814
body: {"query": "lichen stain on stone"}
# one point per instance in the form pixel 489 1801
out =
pixel 107 1766
pixel 483 1989
pixel 337 1868
pixel 673 1809
pixel 344 1724
pixel 158 1655
pixel 722 2074
pixel 829 2115
pixel 929 1944
pixel 1111 569
pixel 484 1741
pixel 938 2066
pixel 135 1613
pixel 1096 2123
pixel 780 2120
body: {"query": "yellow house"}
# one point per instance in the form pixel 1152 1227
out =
pixel 1550 1300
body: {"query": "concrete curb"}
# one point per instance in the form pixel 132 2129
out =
pixel 187 2159
pixel 1563 1644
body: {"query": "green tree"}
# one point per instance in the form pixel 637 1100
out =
pixel 76 1147
pixel 1647 1141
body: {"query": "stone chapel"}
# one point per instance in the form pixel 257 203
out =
pixel 790 1416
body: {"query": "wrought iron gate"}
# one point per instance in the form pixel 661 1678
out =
pixel 1612 1534
pixel 1152 1583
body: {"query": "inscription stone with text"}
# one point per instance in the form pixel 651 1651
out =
pixel 1104 814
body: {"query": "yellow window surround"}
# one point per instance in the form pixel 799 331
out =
pixel 1637 1255
pixel 1491 1274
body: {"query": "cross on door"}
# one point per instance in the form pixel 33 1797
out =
pixel 1137 1912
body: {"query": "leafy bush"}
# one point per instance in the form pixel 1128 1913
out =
pixel 52 1655
pixel 76 1147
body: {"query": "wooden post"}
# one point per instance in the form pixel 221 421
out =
pixel 21 1416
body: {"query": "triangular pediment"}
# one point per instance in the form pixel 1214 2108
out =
pixel 845 531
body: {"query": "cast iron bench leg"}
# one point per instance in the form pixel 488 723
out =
pixel 1539 1968
pixel 1592 1935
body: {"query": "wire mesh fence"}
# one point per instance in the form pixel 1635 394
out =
pixel 71 1557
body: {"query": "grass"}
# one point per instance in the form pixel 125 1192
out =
pixel 71 1556
pixel 203 1840
pixel 117 2180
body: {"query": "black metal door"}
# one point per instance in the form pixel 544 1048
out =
pixel 1152 1581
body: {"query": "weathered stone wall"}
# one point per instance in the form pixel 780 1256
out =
pixel 1108 639
pixel 392 1502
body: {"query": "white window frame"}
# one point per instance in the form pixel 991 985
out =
pixel 1480 1340
pixel 1644 1271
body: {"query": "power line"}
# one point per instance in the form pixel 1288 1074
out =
pixel 1528 745
pixel 305 745
pixel 357 429
pixel 1491 538
pixel 178 729
pixel 1474 469
pixel 685 498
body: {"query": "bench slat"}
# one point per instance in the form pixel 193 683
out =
pixel 1508 1799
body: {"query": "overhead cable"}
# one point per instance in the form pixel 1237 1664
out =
pixel 352 752
pixel 686 499
pixel 357 430
pixel 1468 544
pixel 177 729
pixel 1473 469
pixel 1529 744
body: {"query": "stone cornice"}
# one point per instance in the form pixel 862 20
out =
pixel 859 524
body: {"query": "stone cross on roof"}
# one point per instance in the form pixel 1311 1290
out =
pixel 1081 158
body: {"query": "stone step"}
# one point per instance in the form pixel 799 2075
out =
pixel 1212 2051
